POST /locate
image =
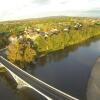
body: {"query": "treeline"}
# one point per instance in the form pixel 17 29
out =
pixel 26 49
pixel 52 34
pixel 22 52
pixel 64 39
pixel 4 39
pixel 15 27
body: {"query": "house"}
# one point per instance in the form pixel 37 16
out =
pixel 28 30
pixel 13 39
pixel 77 26
pixel 36 30
pixel 54 31
pixel 66 30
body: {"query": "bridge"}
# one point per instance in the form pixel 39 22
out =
pixel 24 79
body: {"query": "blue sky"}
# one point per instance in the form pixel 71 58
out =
pixel 19 9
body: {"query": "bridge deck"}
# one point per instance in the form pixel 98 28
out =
pixel 36 83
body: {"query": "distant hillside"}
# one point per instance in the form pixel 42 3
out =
pixel 93 13
pixel 17 26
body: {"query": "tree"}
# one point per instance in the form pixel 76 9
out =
pixel 21 52
pixel 29 54
pixel 13 52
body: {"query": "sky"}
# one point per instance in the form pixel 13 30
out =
pixel 22 9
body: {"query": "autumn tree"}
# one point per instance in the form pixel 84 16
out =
pixel 21 52
pixel 29 54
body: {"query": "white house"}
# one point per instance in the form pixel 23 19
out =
pixel 13 39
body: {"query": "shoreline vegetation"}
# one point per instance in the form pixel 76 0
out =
pixel 31 39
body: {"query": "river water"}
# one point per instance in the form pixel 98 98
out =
pixel 67 70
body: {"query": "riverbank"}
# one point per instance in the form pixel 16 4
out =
pixel 41 54
pixel 68 69
pixel 50 36
pixel 93 89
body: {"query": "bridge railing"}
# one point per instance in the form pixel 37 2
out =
pixel 3 49
pixel 40 81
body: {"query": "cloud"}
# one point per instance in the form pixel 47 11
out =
pixel 40 1
pixel 18 9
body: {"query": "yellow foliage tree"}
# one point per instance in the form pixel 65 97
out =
pixel 21 52
pixel 29 54
pixel 13 52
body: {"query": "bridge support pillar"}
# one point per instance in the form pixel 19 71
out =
pixel 20 83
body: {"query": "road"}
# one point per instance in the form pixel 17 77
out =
pixel 38 84
pixel 3 52
pixel 33 81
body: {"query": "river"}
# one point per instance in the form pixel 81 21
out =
pixel 67 70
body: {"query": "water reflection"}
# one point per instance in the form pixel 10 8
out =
pixel 29 94
pixel 9 91
pixel 7 88
pixel 68 69
pixel 61 54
